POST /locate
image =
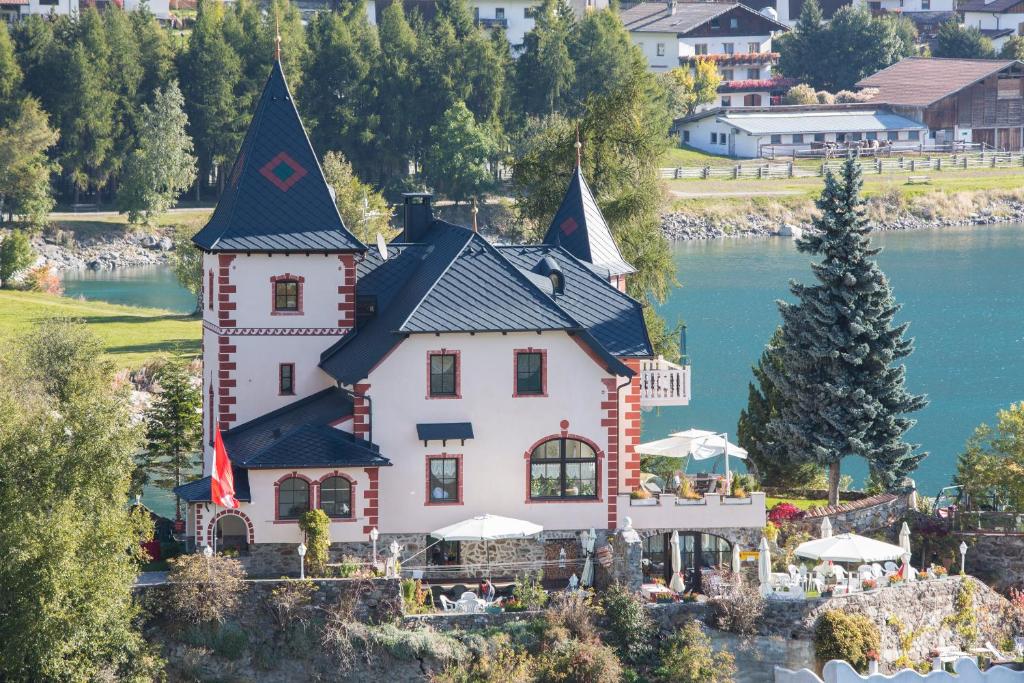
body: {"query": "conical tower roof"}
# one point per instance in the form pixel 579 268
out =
pixel 276 198
pixel 580 228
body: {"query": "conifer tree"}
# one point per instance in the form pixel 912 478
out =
pixel 843 395
pixel 10 77
pixel 174 427
pixel 545 71
pixel 398 76
pixel 25 166
pixel 155 54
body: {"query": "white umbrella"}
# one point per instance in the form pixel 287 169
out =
pixel 905 538
pixel 736 558
pixel 826 528
pixel 698 444
pixel 587 577
pixel 849 548
pixel 676 583
pixel 488 528
pixel 764 566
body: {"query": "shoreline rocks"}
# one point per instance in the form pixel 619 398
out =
pixel 62 251
pixel 684 226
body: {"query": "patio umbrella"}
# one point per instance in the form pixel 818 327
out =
pixel 698 444
pixel 849 548
pixel 905 538
pixel 487 528
pixel 736 558
pixel 764 566
pixel 587 577
pixel 676 583
pixel 826 528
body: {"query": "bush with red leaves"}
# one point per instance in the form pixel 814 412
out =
pixel 783 512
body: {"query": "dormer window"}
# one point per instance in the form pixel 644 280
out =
pixel 286 294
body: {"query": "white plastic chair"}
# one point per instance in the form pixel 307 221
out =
pixel 865 572
pixel 877 569
pixel 447 604
pixel 891 567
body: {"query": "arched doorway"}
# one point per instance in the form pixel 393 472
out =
pixel 232 534
pixel 700 552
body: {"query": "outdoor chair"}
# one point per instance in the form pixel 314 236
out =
pixel 865 572
pixel 447 605
pixel 891 567
pixel 877 569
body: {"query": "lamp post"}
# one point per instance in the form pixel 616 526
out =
pixel 207 553
pixel 374 535
pixel 963 555
pixel 561 558
pixel 302 560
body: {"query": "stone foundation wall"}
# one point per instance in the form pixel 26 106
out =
pixel 999 557
pixel 860 517
pixel 923 605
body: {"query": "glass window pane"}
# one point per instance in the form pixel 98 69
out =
pixel 442 374
pixel 529 373
pixel 545 480
pixel 336 497
pixel 444 480
pixel 293 498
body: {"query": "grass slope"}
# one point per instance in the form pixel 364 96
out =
pixel 130 335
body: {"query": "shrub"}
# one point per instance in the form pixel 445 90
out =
pixel 204 590
pixel 528 591
pixel 316 526
pixel 575 613
pixel 687 657
pixel 573 661
pixel 226 640
pixel 739 609
pixel 44 279
pixel 630 628
pixel 348 567
pixel 800 94
pixel 771 532
pixel 851 637
pixel 289 603
pixel 784 512
pixel 16 254
pixel 415 596
pixel 964 621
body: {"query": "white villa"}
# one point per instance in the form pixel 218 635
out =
pixel 406 387
pixel 12 11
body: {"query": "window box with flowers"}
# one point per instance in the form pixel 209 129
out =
pixel 869 584
pixel 640 497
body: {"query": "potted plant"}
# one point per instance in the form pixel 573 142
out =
pixel 940 572
pixel 641 497
pixel 514 605
pixel 868 584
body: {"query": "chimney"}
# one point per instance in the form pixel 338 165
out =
pixel 671 7
pixel 418 215
pixel 474 211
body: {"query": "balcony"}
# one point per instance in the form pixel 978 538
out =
pixel 711 511
pixel 663 383
pixel 492 23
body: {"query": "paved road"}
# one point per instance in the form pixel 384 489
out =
pixel 151 578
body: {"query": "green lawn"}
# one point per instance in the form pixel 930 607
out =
pixel 130 335
pixel 801 503
pixel 676 157
pixel 86 225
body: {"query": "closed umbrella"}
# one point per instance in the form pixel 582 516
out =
pixel 905 538
pixel 764 567
pixel 676 583
pixel 849 548
pixel 587 577
pixel 826 528
pixel 736 559
pixel 488 528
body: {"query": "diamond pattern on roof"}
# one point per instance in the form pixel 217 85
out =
pixel 283 171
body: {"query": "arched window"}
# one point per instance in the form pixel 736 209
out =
pixel 563 468
pixel 336 497
pixel 292 498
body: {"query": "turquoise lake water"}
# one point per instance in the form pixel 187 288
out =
pixel 962 291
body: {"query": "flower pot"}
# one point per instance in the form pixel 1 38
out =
pixel 643 502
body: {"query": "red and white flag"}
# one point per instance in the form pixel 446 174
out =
pixel 222 483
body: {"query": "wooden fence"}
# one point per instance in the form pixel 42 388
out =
pixel 910 165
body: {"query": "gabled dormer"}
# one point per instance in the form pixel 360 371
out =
pixel 276 198
pixel 579 227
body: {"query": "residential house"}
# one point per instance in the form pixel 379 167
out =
pixel 977 101
pixel 789 10
pixel 672 33
pixel 408 386
pixel 997 19
pixel 753 132
pixel 12 11
pixel 748 79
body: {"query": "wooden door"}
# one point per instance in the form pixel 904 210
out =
pixel 983 136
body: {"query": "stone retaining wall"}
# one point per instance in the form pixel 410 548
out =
pixel 999 557
pixel 869 514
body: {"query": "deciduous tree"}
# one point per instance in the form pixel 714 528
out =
pixel 843 395
pixel 162 166
pixel 685 91
pixel 991 468
pixel 15 255
pixel 456 160
pixel 25 167
pixel 364 210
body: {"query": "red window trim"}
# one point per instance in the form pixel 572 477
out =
pixel 298 279
pixel 277 496
pixel 543 373
pixel 352 502
pixel 458 373
pixel 599 454
pixel 279 368
pixel 461 477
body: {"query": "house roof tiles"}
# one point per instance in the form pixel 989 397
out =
pixel 920 81
pixel 276 198
pixel 657 17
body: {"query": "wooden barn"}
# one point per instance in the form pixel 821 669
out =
pixel 959 100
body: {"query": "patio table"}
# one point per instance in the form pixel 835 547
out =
pixel 652 591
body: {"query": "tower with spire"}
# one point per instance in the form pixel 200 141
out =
pixel 579 227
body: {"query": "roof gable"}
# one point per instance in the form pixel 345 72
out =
pixel 579 227
pixel 276 198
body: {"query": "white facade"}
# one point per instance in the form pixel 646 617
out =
pixel 12 13
pixel 724 45
pixel 912 5
pixel 994 20
pixel 662 50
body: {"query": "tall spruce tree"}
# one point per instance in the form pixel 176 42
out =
pixel 10 77
pixel 174 428
pixel 764 402
pixel 545 71
pixel 843 395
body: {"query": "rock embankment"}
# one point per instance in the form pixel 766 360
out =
pixel 689 226
pixel 62 250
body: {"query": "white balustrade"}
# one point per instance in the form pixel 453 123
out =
pixel 663 383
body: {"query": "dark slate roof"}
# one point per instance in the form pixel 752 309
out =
pixel 248 439
pixel 452 281
pixel 995 6
pixel 580 228
pixel 198 490
pixel 615 319
pixel 276 198
pixel 317 446
pixel 442 431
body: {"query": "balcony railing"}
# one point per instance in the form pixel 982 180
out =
pixel 663 383
pixel 492 23
pixel 711 511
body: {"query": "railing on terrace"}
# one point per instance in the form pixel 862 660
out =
pixel 901 163
pixel 712 510
pixel 987 521
pixel 663 383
